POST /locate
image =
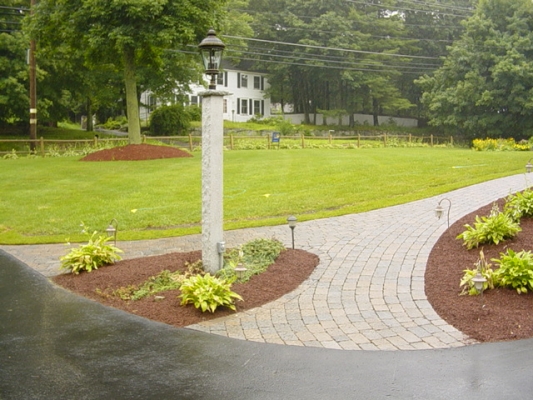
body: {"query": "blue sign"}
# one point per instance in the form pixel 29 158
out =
pixel 275 137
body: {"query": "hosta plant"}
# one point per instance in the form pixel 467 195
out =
pixel 484 268
pixel 516 270
pixel 520 204
pixel 493 229
pixel 207 292
pixel 94 254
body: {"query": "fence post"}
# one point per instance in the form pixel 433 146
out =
pixel 409 138
pixel 330 138
pixel 303 141
pixel 358 140
pixel 231 141
pixel 42 145
pixel 143 141
pixel 95 139
pixel 190 142
pixel 384 140
pixel 431 138
pixel 451 141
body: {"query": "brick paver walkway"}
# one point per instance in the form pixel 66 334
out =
pixel 367 292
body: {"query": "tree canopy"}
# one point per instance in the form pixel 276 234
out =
pixel 485 87
pixel 134 36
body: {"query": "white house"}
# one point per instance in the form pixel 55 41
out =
pixel 247 96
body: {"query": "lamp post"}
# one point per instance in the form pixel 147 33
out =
pixel 213 246
pixel 292 224
pixel 112 229
pixel 439 210
pixel 529 166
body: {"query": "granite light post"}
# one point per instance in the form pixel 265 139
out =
pixel 213 246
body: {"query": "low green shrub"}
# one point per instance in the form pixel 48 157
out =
pixel 515 271
pixel 495 228
pixel 170 120
pixel 256 255
pixel 96 253
pixel 207 292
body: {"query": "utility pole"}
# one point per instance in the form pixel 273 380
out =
pixel 33 89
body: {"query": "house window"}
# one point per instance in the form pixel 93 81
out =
pixel 194 100
pixel 244 80
pixel 152 102
pixel 244 106
pixel 257 82
pixel 225 106
pixel 257 107
pixel 220 78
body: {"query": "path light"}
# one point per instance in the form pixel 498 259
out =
pixel 479 282
pixel 211 49
pixel 240 270
pixel 440 210
pixel 112 229
pixel 292 224
pixel 529 166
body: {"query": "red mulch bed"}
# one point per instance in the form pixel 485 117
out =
pixel 291 268
pixel 136 152
pixel 501 314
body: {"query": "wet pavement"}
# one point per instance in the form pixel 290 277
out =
pixel 366 294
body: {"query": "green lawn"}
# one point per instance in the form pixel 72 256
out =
pixel 46 199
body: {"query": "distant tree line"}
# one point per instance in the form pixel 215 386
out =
pixel 463 66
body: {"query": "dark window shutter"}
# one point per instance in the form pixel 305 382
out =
pixel 238 106
pixel 238 79
pixel 262 107
pixel 250 108
pixel 226 78
pixel 262 83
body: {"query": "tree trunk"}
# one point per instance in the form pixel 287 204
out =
pixel 90 127
pixel 132 104
pixel 375 111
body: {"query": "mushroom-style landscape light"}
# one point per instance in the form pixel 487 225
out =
pixel 211 49
pixel 440 210
pixel 479 281
pixel 292 224
pixel 112 229
pixel 529 166
pixel 240 270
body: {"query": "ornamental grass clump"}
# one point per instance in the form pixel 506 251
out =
pixel 493 229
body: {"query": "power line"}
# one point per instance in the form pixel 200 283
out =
pixel 261 51
pixel 392 9
pixel 329 48
pixel 284 28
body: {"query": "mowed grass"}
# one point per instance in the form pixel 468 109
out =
pixel 46 199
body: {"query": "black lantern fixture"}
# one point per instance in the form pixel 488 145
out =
pixel 211 49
